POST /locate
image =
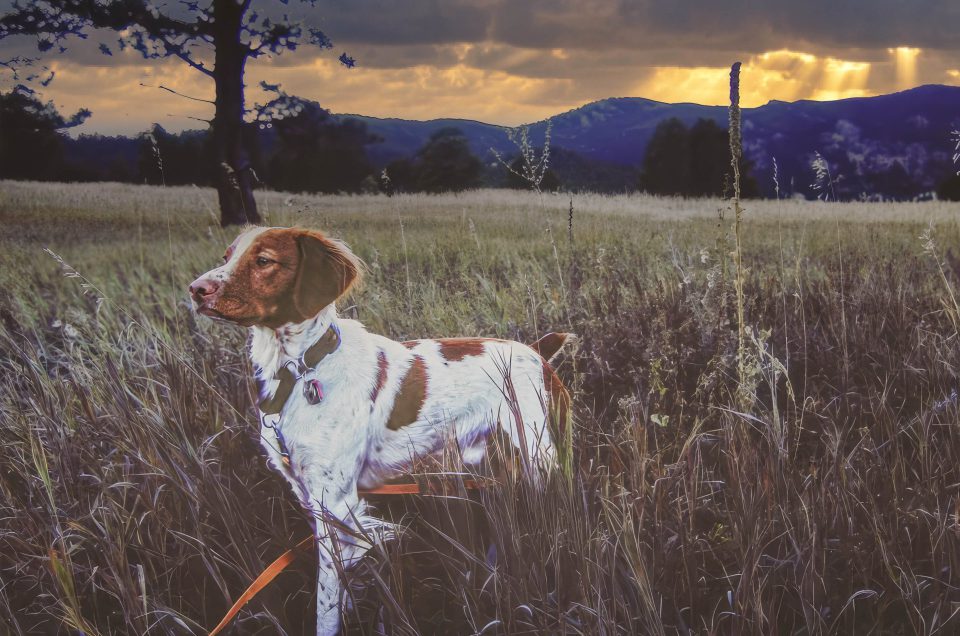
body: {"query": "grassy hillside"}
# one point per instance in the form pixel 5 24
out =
pixel 815 492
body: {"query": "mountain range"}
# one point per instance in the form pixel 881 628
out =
pixel 891 145
pixel 897 146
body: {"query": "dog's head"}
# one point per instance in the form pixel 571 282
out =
pixel 274 276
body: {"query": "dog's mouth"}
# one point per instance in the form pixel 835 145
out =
pixel 210 312
pixel 207 308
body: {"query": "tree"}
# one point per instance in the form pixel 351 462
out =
pixel 692 162
pixel 894 181
pixel 94 157
pixel 446 164
pixel 316 151
pixel 666 169
pixel 949 188
pixel 31 142
pixel 233 30
pixel 402 175
pixel 550 182
pixel 709 160
pixel 174 159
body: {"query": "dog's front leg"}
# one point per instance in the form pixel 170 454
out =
pixel 336 511
pixel 328 584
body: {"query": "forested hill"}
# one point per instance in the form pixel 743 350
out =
pixel 892 146
pixel 876 144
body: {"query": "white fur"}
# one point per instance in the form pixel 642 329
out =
pixel 343 443
pixel 222 273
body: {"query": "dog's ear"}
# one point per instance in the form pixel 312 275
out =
pixel 327 270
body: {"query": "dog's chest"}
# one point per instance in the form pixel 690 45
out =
pixel 311 430
pixel 319 402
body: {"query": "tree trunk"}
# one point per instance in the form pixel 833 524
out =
pixel 235 176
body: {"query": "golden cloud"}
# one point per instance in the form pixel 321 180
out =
pixel 510 86
pixel 782 75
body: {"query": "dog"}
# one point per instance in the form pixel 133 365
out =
pixel 341 408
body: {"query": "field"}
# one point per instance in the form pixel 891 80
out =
pixel 806 484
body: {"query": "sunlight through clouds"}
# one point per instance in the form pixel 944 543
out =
pixel 905 59
pixel 418 92
pixel 486 81
pixel 775 75
pixel 501 88
pixel 842 79
pixel 509 62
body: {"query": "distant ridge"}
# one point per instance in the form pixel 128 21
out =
pixel 894 145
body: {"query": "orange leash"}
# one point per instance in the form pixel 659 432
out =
pixel 262 581
pixel 280 564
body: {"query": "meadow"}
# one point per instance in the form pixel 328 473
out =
pixel 806 482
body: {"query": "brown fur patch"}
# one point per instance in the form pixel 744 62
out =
pixel 327 271
pixel 382 365
pixel 304 271
pixel 410 344
pixel 257 294
pixel 557 402
pixel 410 397
pixel 456 349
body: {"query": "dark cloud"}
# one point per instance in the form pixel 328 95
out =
pixel 676 32
pixel 511 61
pixel 742 25
pixel 403 21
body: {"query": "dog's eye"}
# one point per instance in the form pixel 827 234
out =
pixel 262 261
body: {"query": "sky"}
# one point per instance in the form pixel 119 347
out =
pixel 517 61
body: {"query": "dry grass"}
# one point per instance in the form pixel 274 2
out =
pixel 133 498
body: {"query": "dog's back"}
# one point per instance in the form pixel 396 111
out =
pixel 431 392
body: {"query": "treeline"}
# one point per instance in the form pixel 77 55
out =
pixel 308 149
pixel 302 147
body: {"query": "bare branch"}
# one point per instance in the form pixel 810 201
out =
pixel 141 23
pixel 183 55
pixel 206 121
pixel 170 90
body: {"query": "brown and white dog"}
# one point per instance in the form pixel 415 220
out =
pixel 342 408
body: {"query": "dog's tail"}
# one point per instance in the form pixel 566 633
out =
pixel 550 345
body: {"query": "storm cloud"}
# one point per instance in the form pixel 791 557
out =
pixel 698 25
pixel 514 61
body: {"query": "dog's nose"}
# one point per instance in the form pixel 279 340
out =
pixel 203 287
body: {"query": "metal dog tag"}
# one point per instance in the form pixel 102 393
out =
pixel 313 391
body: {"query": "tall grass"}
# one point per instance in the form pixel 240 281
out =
pixel 133 498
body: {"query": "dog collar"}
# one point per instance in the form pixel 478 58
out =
pixel 312 390
pixel 327 344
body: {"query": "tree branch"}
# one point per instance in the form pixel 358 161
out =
pixel 206 121
pixel 170 90
pixel 142 23
pixel 183 55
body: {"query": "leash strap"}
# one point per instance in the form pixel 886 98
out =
pixel 280 564
pixel 262 581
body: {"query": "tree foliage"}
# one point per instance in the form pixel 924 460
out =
pixel 174 159
pixel 304 148
pixel 445 163
pixel 549 181
pixel 143 26
pixel 31 138
pixel 215 38
pixel 691 161
pixel 949 188
pixel 315 151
